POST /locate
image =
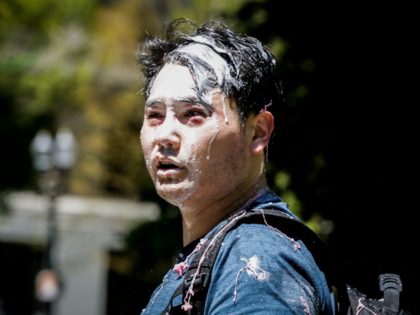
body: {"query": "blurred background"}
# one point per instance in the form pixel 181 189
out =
pixel 81 228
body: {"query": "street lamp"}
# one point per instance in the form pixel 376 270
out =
pixel 52 159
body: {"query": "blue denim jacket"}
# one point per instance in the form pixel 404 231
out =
pixel 258 270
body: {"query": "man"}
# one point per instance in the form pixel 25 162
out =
pixel 205 133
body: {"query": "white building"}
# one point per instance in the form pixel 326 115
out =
pixel 87 229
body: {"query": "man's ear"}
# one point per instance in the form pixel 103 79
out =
pixel 263 125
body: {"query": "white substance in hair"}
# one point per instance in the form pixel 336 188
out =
pixel 202 51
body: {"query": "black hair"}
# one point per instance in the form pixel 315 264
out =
pixel 249 73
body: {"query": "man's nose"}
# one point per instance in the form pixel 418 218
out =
pixel 167 135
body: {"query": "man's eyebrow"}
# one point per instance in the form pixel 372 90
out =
pixel 152 101
pixel 193 100
pixel 184 99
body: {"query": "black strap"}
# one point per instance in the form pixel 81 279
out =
pixel 206 255
pixel 391 285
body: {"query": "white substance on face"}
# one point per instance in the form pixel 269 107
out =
pixel 213 137
pixel 208 98
pixel 179 198
pixel 148 163
pixel 192 179
pixel 225 109
pixel 187 186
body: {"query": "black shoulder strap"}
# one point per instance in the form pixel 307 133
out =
pixel 197 278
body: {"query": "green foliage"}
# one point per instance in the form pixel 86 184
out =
pixel 282 183
pixel 201 11
pixel 35 73
pixel 109 110
pixel 15 65
pixel 71 63
pixel 30 22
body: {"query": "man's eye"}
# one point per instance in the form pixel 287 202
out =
pixel 194 116
pixel 154 115
pixel 194 113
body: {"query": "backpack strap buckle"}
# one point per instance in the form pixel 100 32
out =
pixel 201 280
pixel 390 284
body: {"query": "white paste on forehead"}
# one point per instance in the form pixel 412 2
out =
pixel 212 58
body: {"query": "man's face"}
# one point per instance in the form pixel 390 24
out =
pixel 196 152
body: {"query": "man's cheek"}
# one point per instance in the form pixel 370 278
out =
pixel 147 159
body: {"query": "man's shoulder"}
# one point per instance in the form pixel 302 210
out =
pixel 255 262
pixel 249 239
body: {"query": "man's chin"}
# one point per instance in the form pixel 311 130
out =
pixel 175 194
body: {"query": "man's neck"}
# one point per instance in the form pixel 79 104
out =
pixel 197 222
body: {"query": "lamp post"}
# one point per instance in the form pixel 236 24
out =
pixel 52 159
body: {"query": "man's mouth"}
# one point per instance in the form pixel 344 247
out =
pixel 168 169
pixel 166 166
